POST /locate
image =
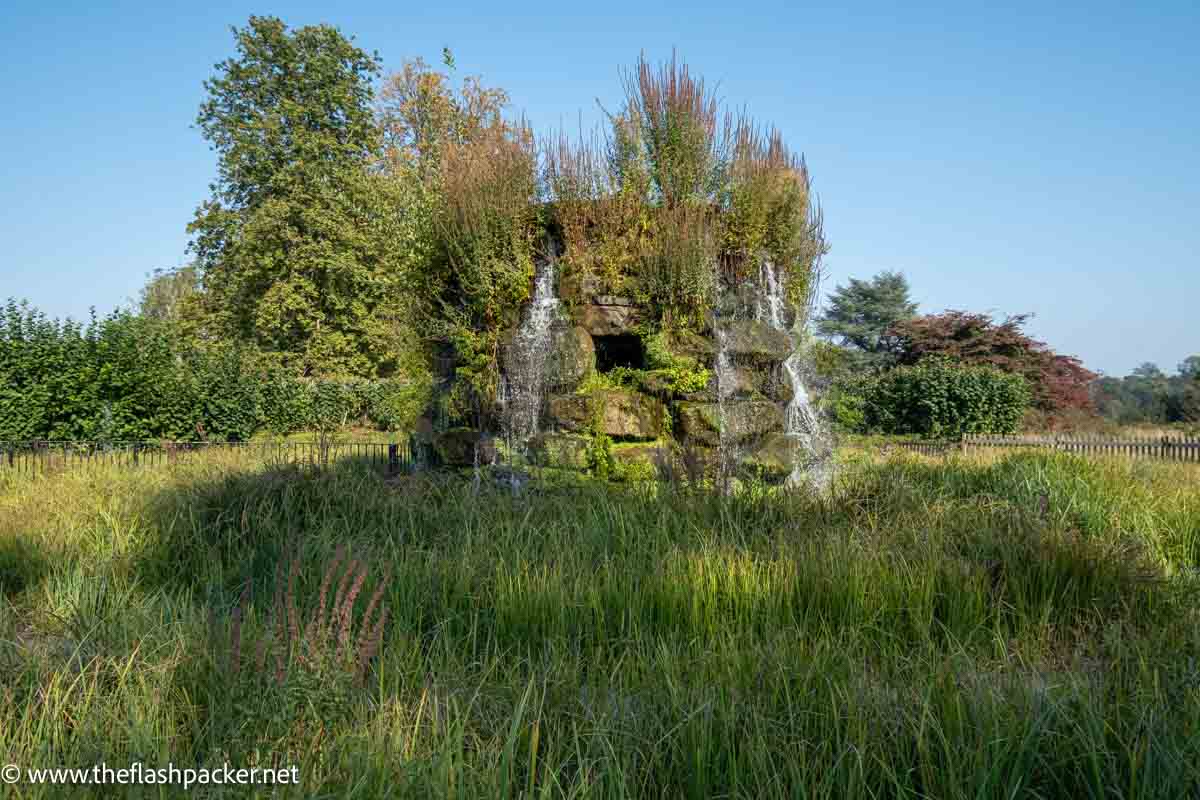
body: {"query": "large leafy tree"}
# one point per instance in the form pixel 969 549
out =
pixel 861 314
pixel 302 246
pixel 1057 382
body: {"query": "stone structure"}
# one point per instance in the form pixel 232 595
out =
pixel 579 385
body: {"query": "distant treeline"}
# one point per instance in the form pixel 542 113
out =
pixel 1150 395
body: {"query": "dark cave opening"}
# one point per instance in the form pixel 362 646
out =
pixel 622 350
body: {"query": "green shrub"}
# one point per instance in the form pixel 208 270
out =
pixel 395 404
pixel 117 377
pixel 231 392
pixel 335 404
pixel 600 462
pixel 939 398
pixel 684 374
pixel 848 410
pixel 126 377
pixel 287 403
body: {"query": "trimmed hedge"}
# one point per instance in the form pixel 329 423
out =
pixel 939 398
pixel 125 377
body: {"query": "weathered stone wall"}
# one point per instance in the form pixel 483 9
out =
pixel 651 421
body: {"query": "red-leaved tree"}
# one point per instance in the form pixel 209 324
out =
pixel 1057 382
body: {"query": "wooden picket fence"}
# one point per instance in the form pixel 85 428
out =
pixel 1163 448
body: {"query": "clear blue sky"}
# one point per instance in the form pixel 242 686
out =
pixel 1040 157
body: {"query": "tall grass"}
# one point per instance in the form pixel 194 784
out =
pixel 1016 626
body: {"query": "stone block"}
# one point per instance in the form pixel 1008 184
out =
pixel 457 447
pixel 621 414
pixel 757 341
pixel 744 420
pixel 562 450
pixel 774 457
pixel 609 320
pixel 572 358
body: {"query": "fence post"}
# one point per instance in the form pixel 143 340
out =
pixel 393 458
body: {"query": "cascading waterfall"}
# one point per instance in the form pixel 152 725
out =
pixel 771 308
pixel 523 385
pixel 723 375
pixel 811 449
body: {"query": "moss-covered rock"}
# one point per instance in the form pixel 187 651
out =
pixel 457 447
pixel 638 452
pixel 777 386
pixel 757 342
pixel 572 358
pixel 638 460
pixel 744 420
pixel 756 381
pixel 608 320
pixel 774 457
pixel 672 384
pixel 679 348
pixel 615 412
pixel 748 384
pixel 571 412
pixel 562 450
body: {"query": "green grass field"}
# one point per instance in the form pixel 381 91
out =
pixel 1019 626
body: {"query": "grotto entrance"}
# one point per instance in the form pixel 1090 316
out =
pixel 621 350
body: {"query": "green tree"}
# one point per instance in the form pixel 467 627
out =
pixel 168 292
pixel 1147 385
pixel 861 313
pixel 301 248
pixel 1058 382
pixel 1148 371
pixel 1149 395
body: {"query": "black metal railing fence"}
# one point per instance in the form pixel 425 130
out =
pixel 44 455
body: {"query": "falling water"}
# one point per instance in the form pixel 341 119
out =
pixel 521 389
pixel 771 308
pixel 502 395
pixel 811 449
pixel 723 373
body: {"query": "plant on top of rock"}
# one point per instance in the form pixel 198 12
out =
pixel 682 187
pixel 477 174
pixel 768 210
